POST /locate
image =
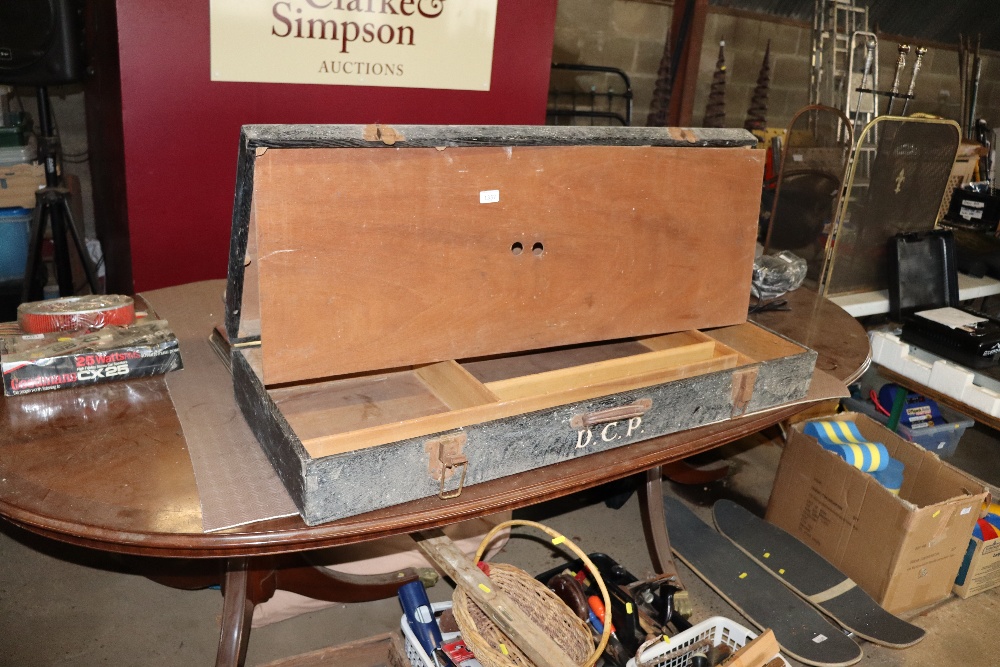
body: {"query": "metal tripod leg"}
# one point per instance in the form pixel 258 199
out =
pixel 81 249
pixel 36 237
pixel 52 209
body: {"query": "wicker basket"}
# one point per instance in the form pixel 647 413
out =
pixel 493 648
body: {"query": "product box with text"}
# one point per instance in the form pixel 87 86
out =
pixel 980 570
pixel 41 362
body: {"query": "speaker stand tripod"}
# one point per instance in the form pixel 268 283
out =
pixel 52 211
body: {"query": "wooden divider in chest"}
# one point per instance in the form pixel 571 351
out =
pixel 471 303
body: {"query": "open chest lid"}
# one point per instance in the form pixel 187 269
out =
pixel 361 248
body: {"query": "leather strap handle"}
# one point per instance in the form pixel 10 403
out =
pixel 586 419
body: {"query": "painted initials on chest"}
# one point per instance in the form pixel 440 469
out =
pixel 608 432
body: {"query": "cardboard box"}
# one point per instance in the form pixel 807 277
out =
pixel 19 183
pixel 902 550
pixel 980 570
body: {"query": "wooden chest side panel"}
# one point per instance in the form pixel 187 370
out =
pixel 354 482
pixel 375 259
pixel 347 484
pixel 269 426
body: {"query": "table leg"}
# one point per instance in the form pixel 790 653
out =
pixel 654 522
pixel 243 587
pixel 248 582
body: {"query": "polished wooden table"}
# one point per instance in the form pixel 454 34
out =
pixel 107 467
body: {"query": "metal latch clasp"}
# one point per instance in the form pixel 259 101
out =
pixel 446 458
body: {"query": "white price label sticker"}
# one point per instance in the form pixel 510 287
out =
pixel 489 196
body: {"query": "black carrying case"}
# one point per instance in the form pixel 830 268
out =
pixel 924 276
pixel 974 210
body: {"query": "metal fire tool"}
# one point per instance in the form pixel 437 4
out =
pixel 900 66
pixel 921 50
pixel 977 70
pixel 869 57
pixel 963 82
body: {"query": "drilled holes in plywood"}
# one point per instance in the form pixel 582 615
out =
pixel 536 249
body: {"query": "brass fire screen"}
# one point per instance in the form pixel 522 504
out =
pixel 909 172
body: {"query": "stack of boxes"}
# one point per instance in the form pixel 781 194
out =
pixel 20 178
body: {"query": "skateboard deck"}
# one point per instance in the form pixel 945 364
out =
pixel 812 577
pixel 802 632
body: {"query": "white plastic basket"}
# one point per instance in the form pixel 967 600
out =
pixel 672 653
pixel 414 652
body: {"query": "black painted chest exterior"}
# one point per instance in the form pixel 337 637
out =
pixel 418 309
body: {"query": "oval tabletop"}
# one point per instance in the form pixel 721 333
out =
pixel 820 324
pixel 108 466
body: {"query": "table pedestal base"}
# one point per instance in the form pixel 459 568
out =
pixel 249 581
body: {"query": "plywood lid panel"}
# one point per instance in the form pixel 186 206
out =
pixel 371 259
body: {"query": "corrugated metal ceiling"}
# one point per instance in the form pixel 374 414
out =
pixel 934 21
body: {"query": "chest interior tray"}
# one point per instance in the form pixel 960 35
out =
pixel 337 415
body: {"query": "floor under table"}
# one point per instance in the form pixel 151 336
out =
pixel 66 606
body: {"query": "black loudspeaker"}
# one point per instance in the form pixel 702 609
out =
pixel 40 42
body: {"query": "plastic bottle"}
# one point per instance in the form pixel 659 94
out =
pixel 417 608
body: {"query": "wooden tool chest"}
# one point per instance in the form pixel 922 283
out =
pixel 414 308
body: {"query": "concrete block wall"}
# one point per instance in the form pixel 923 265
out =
pixel 630 35
pixel 626 34
pixel 746 39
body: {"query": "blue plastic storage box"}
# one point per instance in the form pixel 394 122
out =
pixel 14 224
pixel 941 439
